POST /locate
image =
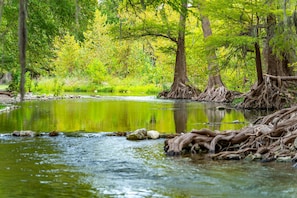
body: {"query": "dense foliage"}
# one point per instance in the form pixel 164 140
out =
pixel 122 46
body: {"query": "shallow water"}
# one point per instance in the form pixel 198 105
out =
pixel 92 164
pixel 108 114
pixel 96 165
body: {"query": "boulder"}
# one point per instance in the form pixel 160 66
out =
pixel 153 134
pixel 139 134
pixel 24 133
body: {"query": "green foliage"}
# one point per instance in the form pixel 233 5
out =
pixel 96 71
pixel 2 106
pixel 76 47
pixel 49 86
pixel 68 56
pixel 45 20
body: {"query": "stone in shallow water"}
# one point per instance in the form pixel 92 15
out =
pixel 24 133
pixel 139 134
pixel 153 134
pixel 284 159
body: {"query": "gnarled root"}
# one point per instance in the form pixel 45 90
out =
pixel 216 94
pixel 270 94
pixel 272 137
pixel 180 91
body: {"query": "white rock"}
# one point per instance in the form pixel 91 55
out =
pixel 153 134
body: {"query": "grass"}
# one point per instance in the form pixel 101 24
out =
pixel 2 106
pixel 74 85
pixel 3 87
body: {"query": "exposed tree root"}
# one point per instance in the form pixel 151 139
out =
pixel 216 94
pixel 273 137
pixel 272 93
pixel 6 93
pixel 180 91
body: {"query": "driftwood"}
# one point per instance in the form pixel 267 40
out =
pixel 273 137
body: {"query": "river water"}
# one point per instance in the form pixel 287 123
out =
pixel 84 162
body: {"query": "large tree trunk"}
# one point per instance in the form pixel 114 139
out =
pixel 258 64
pixel 277 66
pixel 215 91
pixel 270 92
pixel 180 89
pixel 22 45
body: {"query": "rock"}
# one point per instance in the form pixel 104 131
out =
pixel 139 134
pixel 257 156
pixel 220 108
pixel 53 133
pixel 284 159
pixel 24 133
pixel 153 134
pixel 73 134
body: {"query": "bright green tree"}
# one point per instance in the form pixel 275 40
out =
pixel 165 20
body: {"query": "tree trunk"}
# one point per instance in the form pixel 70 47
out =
pixel 215 91
pixel 22 45
pixel 277 66
pixel 180 89
pixel 270 92
pixel 258 64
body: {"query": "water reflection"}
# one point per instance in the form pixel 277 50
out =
pixel 94 165
pixel 180 116
pixel 119 114
pixel 214 115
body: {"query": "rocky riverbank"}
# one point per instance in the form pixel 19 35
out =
pixel 8 103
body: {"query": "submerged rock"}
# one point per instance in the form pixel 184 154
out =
pixel 53 133
pixel 139 134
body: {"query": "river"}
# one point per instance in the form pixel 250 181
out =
pixel 84 162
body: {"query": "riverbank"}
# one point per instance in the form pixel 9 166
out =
pixel 8 103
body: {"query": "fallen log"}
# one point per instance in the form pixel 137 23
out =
pixel 272 137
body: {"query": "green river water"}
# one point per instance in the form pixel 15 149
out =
pixel 91 164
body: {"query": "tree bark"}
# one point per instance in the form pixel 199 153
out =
pixel 270 93
pixel 22 45
pixel 180 89
pixel 273 137
pixel 258 64
pixel 215 90
pixel 276 66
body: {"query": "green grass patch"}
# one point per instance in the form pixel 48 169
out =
pixel 58 86
pixel 2 106
pixel 3 87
